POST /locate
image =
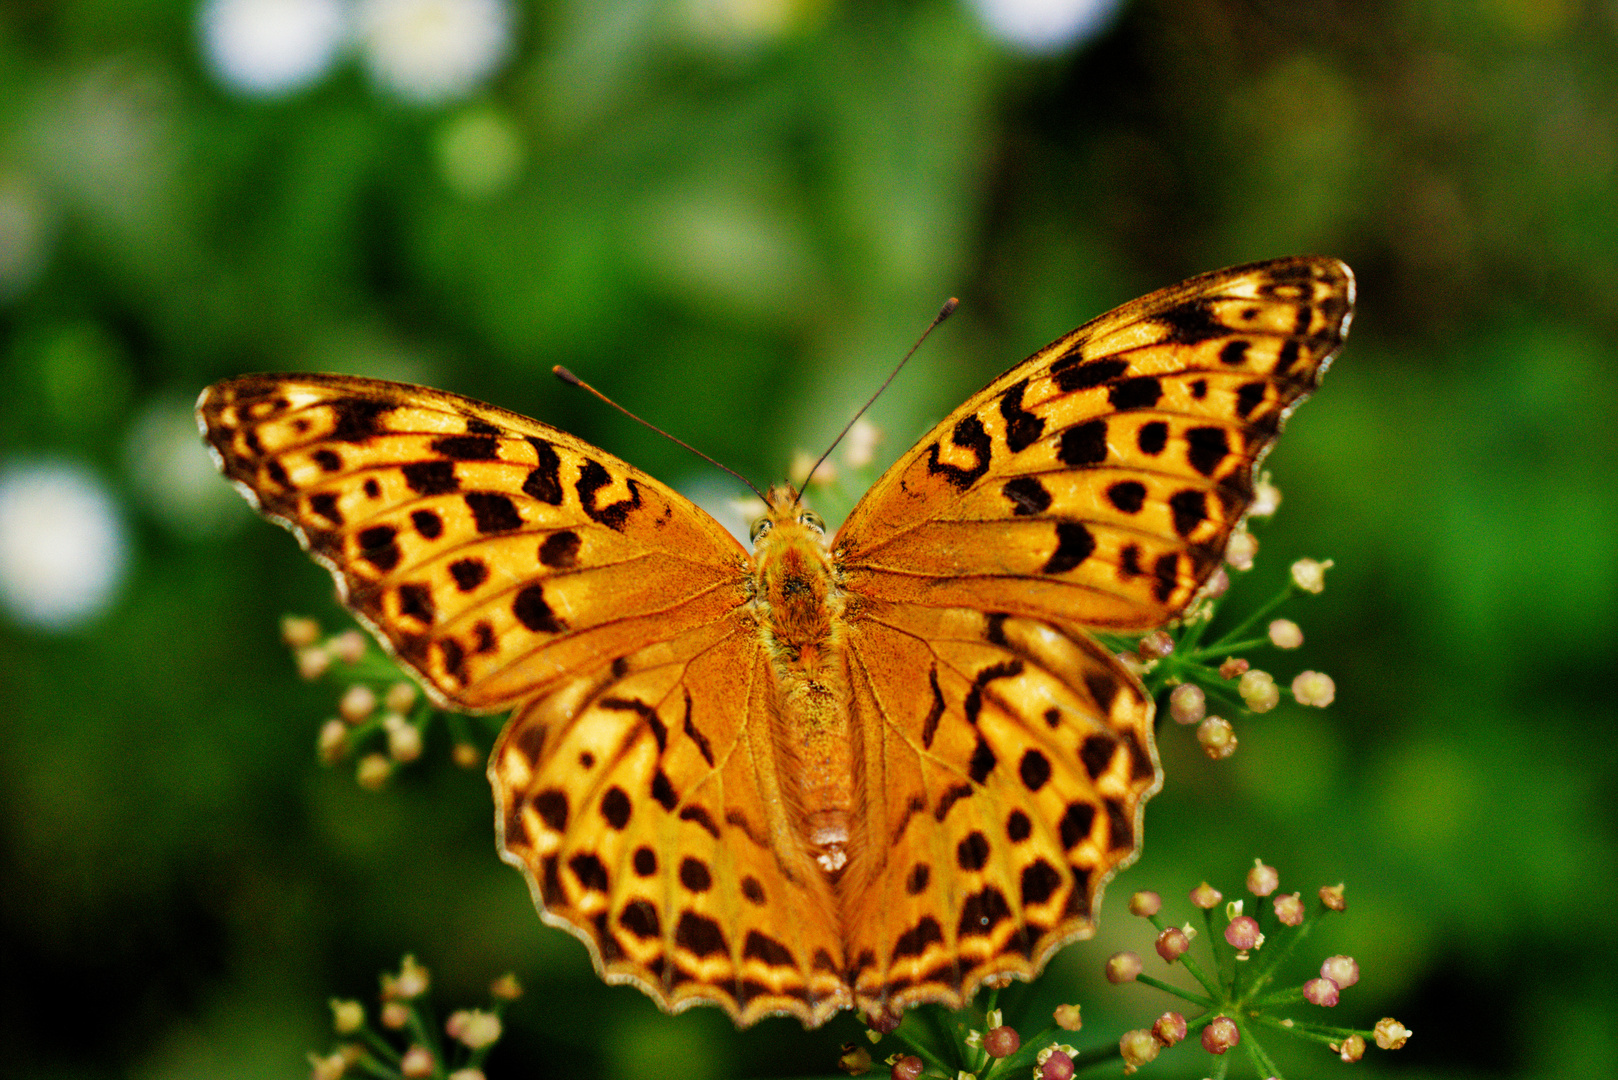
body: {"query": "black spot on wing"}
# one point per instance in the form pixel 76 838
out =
pixel 950 798
pixel 1084 444
pixel 1234 352
pixel 1072 374
pixel 431 477
pixel 639 917
pixel 428 524
pixel 1192 322
pixel 357 419
pixel 1190 509
pixel 532 610
pixel 929 726
pixel 1074 544
pixel 759 946
pixel 1127 495
pixel 551 806
pixel 694 875
pixel 416 601
pixel 560 551
pixel 378 547
pixel 545 481
pixel 1141 392
pixel 1040 880
pixel 1075 824
pixel 702 818
pixel 1205 448
pixel 1023 428
pixel 699 935
pixel 467 447
pixel 592 478
pixel 1248 398
pixel 325 505
pixel 968 435
pixel 1152 438
pixel 914 942
pixel 1028 496
pixel 1034 769
pixel 972 853
pixel 648 715
pixel 645 861
pixel 983 761
pixel 983 911
pixel 328 460
pixel 492 512
pixel 589 871
pixel 916 880
pixel 468 573
pixel 616 808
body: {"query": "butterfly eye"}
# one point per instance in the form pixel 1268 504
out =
pixel 760 527
pixel 812 519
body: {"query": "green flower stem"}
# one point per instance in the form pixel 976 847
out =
pixel 370 1067
pixel 1262 1064
pixel 1219 647
pixel 1184 995
pixel 1323 1033
pixel 425 1035
pixel 379 1046
pixel 1286 593
pixel 1275 1000
pixel 1221 1067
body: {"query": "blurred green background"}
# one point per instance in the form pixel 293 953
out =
pixel 734 215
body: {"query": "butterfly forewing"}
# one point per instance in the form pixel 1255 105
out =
pixel 492 553
pixel 1098 481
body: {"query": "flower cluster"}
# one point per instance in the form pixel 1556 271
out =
pixel 377 706
pixel 1239 1001
pixel 1199 674
pixel 403 1018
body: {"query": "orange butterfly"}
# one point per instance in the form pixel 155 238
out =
pixel 873 772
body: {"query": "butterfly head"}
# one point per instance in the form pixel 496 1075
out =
pixel 786 523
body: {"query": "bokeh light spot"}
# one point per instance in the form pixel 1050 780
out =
pixel 62 545
pixel 271 47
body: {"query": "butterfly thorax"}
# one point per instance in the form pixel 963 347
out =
pixel 799 606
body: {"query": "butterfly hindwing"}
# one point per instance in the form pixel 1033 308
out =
pixel 1098 481
pixel 1006 764
pixel 647 803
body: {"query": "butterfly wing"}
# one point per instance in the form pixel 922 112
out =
pixel 1099 480
pixel 637 785
pixel 1005 756
pixel 995 813
pixel 490 553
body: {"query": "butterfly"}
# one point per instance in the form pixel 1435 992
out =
pixel 873 771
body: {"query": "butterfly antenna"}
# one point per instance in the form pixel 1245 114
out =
pixel 568 377
pixel 943 313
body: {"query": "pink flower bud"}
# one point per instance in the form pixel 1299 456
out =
pixel 1242 933
pixel 1123 967
pixel 1188 704
pixel 417 1063
pixel 1233 667
pixel 1205 896
pixel 1216 737
pixel 1351 1049
pixel 1137 1048
pixel 1169 1029
pixel 1285 634
pixel 1342 970
pixel 1173 944
pixel 1262 880
pixel 1332 897
pixel 1145 904
pixel 907 1068
pixel 1289 909
pixel 1067 1017
pixel 1156 645
pixel 1056 1066
pixel 1220 1035
pixel 1320 992
pixel 1314 688
pixel 1001 1042
pixel 1390 1034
